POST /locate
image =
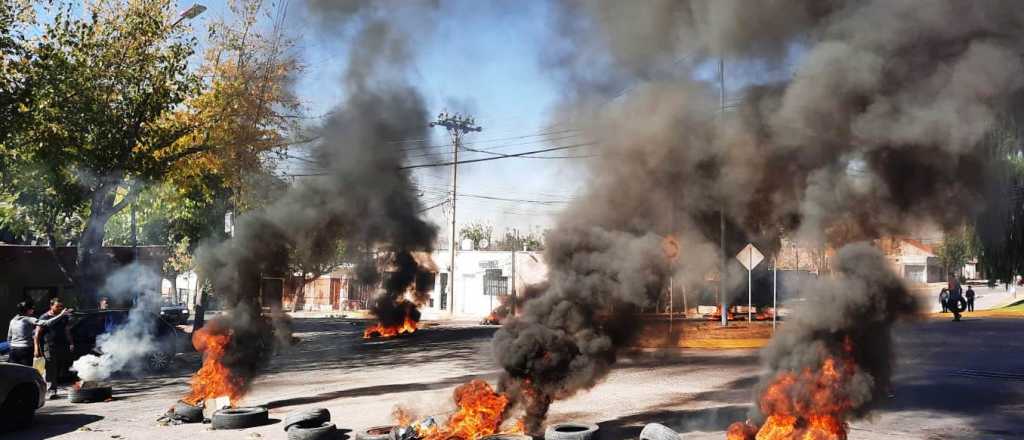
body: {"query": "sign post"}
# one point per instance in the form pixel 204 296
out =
pixel 775 289
pixel 749 257
pixel 670 245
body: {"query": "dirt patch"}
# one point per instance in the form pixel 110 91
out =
pixel 660 333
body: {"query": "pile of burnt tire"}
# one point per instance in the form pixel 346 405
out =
pixel 310 424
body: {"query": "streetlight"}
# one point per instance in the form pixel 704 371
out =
pixel 190 13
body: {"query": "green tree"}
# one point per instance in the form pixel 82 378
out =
pixel 999 225
pixel 514 241
pixel 958 247
pixel 477 232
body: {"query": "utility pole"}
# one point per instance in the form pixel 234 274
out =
pixel 457 126
pixel 721 212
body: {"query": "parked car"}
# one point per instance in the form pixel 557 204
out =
pixel 170 340
pixel 22 391
pixel 174 313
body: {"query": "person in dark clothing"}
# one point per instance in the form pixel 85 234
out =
pixel 970 298
pixel 20 333
pixel 956 298
pixel 944 299
pixel 57 346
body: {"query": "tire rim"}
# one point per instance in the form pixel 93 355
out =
pixel 159 360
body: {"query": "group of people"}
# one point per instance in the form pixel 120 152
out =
pixel 955 300
pixel 48 337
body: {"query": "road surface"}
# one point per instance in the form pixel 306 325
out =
pixel 953 382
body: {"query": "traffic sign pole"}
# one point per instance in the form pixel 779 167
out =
pixel 750 285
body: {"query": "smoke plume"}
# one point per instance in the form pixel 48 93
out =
pixel 133 339
pixel 357 197
pixel 856 119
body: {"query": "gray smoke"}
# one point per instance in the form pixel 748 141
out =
pixel 125 348
pixel 358 198
pixel 871 123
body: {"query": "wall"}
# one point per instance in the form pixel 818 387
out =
pixel 471 268
pixel 32 273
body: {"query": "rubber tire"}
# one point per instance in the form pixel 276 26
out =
pixel 89 395
pixel 307 418
pixel 657 431
pixel 506 437
pixel 19 407
pixel 325 431
pixel 365 434
pixel 188 413
pixel 239 418
pixel 582 431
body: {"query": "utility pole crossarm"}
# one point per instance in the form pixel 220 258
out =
pixel 457 126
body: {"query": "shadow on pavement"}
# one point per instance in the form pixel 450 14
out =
pixel 376 390
pixel 51 425
pixel 682 421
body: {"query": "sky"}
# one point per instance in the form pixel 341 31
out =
pixel 484 62
pixel 483 59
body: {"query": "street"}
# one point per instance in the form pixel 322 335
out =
pixel 955 381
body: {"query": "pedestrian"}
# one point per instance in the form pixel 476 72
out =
pixel 970 298
pixel 944 299
pixel 57 346
pixel 20 330
pixel 955 303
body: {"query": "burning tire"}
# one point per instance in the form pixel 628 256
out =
pixel 375 433
pixel 89 394
pixel 239 418
pixel 570 431
pixel 188 413
pixel 307 418
pixel 325 431
pixel 657 431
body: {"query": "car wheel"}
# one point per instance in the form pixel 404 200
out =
pixel 19 408
pixel 325 431
pixel 570 431
pixel 159 361
pixel 239 418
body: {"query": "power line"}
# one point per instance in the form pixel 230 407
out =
pixel 503 156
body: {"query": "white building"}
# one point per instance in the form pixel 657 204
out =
pixel 483 279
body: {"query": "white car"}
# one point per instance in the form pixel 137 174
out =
pixel 22 391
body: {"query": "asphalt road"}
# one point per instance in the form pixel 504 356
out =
pixel 951 383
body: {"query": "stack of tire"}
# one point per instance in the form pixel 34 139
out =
pixel 310 424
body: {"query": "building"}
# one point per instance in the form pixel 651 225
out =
pixel 483 281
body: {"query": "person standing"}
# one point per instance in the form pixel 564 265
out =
pixel 970 298
pixel 20 332
pixel 57 344
pixel 944 299
pixel 956 298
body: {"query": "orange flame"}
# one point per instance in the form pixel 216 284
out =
pixel 214 379
pixel 811 405
pixel 480 413
pixel 408 326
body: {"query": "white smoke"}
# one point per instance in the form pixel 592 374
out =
pixel 134 338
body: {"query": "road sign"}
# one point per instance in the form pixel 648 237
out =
pixel 750 257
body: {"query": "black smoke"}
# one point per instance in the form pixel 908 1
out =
pixel 357 196
pixel 869 124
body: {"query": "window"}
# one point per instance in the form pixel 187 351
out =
pixel 494 283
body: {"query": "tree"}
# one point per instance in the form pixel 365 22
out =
pixel 477 232
pixel 958 247
pixel 999 225
pixel 514 241
pixel 97 117
pixel 114 113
